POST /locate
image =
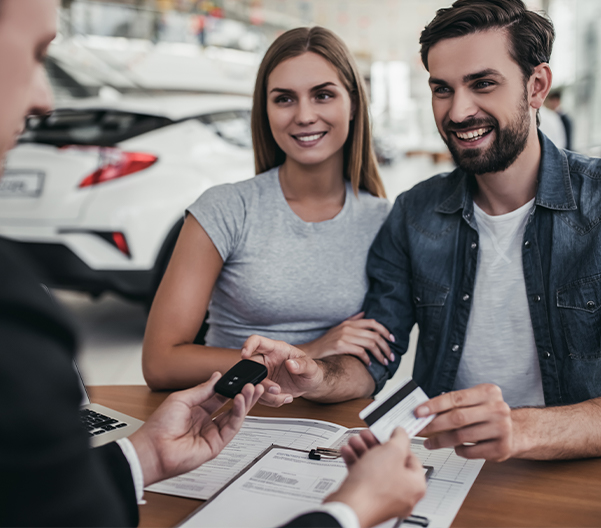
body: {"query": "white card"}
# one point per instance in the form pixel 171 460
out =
pixel 396 410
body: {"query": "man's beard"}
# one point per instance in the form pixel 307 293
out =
pixel 509 143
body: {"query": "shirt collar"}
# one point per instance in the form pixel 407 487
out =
pixel 554 185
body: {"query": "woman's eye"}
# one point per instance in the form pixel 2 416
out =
pixel 283 99
pixel 324 96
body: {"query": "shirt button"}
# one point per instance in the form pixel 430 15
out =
pixel 527 244
pixel 454 348
pixel 474 245
pixel 590 304
pixel 536 298
pixel 417 299
pixel 466 297
pixel 547 353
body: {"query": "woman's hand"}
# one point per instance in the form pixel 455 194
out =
pixel 353 336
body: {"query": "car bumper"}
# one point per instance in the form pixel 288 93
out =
pixel 61 268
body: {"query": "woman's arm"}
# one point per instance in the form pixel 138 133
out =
pixel 170 360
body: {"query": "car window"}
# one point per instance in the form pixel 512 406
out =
pixel 103 128
pixel 233 126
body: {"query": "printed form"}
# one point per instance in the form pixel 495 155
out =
pixel 285 483
pixel 256 435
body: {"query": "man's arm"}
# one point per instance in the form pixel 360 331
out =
pixel 479 424
pixel 570 431
pixel 292 374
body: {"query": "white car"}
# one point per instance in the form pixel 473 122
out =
pixel 96 192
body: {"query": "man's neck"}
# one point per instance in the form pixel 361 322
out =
pixel 502 192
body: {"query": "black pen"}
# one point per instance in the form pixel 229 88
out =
pixel 420 520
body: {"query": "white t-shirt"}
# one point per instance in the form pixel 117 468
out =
pixel 499 344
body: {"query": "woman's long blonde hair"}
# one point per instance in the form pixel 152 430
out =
pixel 360 165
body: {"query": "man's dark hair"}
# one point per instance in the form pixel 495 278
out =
pixel 530 34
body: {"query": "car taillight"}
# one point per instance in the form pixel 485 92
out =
pixel 116 163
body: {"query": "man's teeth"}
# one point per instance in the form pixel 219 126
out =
pixel 472 134
pixel 309 138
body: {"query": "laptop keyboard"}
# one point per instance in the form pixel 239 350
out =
pixel 97 424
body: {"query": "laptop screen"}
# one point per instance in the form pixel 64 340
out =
pixel 85 399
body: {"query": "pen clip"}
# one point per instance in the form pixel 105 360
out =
pixel 325 453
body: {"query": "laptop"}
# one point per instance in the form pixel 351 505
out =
pixel 103 425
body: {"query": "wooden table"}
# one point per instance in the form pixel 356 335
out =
pixel 513 493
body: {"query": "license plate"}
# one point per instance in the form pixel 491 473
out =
pixel 15 183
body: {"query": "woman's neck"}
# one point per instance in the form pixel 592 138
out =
pixel 314 192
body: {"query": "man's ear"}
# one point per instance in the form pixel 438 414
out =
pixel 539 85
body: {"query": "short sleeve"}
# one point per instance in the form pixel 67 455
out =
pixel 221 211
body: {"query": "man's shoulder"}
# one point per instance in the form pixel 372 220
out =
pixel 582 166
pixel 428 194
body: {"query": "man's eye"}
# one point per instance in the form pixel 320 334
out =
pixel 481 85
pixel 441 90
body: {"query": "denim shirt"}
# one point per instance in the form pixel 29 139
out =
pixel 422 269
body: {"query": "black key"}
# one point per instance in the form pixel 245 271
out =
pixel 121 425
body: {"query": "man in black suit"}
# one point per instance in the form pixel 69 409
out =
pixel 49 474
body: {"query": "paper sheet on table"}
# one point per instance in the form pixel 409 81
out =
pixel 256 435
pixel 283 484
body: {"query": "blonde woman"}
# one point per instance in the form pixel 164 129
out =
pixel 282 254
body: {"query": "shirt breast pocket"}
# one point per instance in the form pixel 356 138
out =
pixel 579 304
pixel 429 299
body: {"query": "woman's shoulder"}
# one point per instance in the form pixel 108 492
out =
pixel 368 203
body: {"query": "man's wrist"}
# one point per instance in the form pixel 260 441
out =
pixel 521 441
pixel 147 456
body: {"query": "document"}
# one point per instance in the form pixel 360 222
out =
pixel 256 435
pixel 284 483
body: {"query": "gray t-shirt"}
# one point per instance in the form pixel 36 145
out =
pixel 282 277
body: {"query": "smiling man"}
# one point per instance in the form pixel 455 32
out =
pixel 498 262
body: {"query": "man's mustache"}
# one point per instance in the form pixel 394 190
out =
pixel 451 126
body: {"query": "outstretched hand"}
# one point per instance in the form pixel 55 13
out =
pixel 384 481
pixel 290 372
pixel 180 435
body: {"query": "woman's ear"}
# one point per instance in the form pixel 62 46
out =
pixel 539 85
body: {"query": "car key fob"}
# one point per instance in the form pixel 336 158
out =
pixel 243 372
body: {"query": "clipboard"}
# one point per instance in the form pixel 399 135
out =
pixel 331 475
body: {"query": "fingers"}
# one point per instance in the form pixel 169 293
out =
pixel 356 317
pixel 461 398
pixel 275 400
pixel 302 367
pixel 358 446
pixel 368 437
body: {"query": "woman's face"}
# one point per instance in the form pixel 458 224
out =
pixel 308 108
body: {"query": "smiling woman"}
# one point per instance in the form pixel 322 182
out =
pixel 282 254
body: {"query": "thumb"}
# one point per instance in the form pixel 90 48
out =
pixel 302 366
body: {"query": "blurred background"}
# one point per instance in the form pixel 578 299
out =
pixel 155 94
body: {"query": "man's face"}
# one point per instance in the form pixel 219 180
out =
pixel 26 29
pixel 480 101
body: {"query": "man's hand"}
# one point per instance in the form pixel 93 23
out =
pixel 180 435
pixel 291 373
pixel 476 422
pixel 384 481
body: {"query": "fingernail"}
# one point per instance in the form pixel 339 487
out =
pixel 391 338
pixel 422 411
pixel 288 399
pixel 294 365
pixel 427 443
pixel 385 362
pixel 369 364
pixel 273 390
pixel 391 357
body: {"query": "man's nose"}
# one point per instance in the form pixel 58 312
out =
pixel 462 106
pixel 42 100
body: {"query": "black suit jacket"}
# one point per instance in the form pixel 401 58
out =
pixel 49 476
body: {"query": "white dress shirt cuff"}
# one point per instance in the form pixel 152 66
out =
pixel 343 513
pixel 136 469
